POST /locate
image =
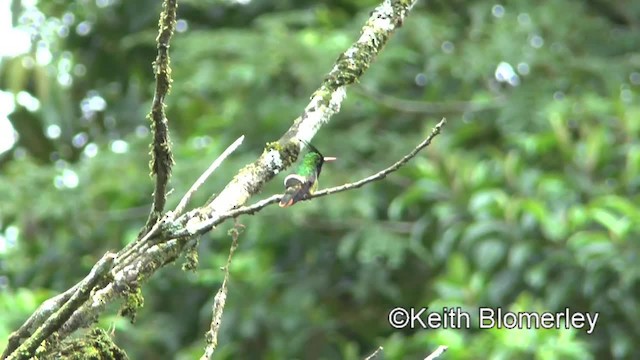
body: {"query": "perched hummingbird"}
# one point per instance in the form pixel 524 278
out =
pixel 304 182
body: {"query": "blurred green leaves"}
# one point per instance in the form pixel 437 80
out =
pixel 528 204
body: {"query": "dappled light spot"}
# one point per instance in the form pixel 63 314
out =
pixel 68 179
pixel 64 79
pixel 558 96
pixel 20 40
pixel 524 19
pixel 497 10
pixel 104 3
pixel 84 28
pixel 200 142
pixel 79 70
pixel 68 18
pixel 80 139
pixel 447 47
pixel 9 239
pixel 119 146
pixel 182 25
pixel 93 103
pixel 91 150
pixel 7 134
pixel 505 73
pixel 523 68
pixel 626 95
pixel 536 41
pixel 25 99
pixel 53 131
pixel 43 53
pixel 142 131
pixel 63 31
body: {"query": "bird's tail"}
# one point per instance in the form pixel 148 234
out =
pixel 288 198
pixel 292 194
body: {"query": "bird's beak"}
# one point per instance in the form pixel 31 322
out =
pixel 330 158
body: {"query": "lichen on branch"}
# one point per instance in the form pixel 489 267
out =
pixel 161 156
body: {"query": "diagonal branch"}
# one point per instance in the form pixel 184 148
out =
pixel 436 354
pixel 375 353
pixel 161 156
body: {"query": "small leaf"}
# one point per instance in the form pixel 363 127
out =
pixel 619 226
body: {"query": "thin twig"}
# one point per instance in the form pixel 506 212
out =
pixel 205 175
pixel 220 300
pixel 375 354
pixel 54 322
pixel 436 354
pixel 378 176
pixel 382 174
pixel 161 156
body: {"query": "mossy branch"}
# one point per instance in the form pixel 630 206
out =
pixel 161 155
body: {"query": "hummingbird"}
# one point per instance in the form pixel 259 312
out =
pixel 304 181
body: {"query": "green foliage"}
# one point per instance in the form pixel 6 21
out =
pixel 528 202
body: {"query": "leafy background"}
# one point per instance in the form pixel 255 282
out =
pixel 528 201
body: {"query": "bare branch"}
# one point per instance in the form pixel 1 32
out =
pixel 55 321
pixel 205 175
pixel 382 174
pixel 436 354
pixel 161 156
pixel 375 353
pixel 220 300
